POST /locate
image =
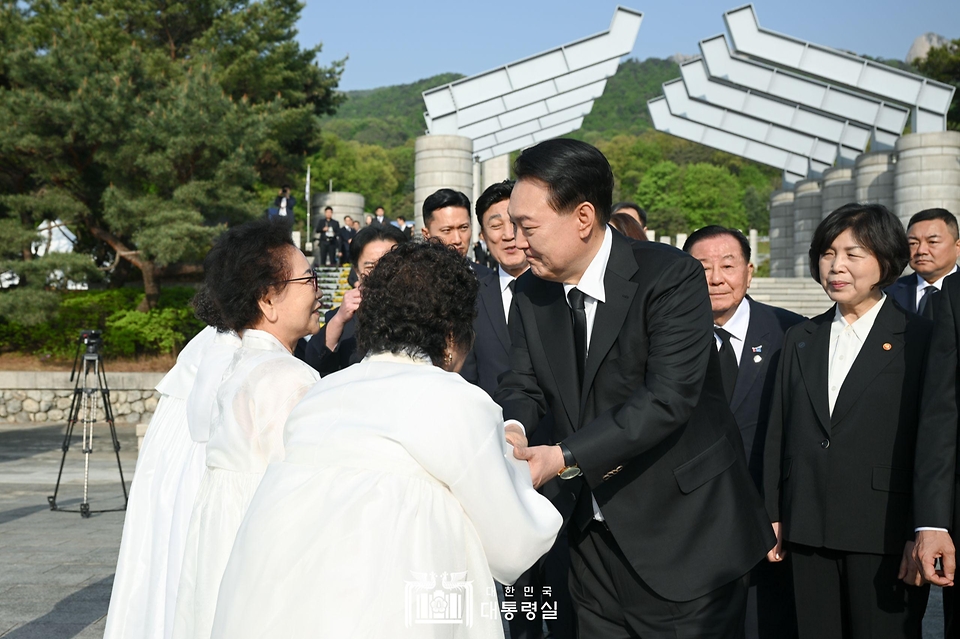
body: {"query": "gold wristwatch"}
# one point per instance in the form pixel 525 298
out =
pixel 570 468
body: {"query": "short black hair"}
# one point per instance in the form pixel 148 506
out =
pixel 715 230
pixel 927 215
pixel 442 199
pixel 573 172
pixel 495 193
pixel 371 234
pixel 875 227
pixel 416 297
pixel 630 205
pixel 244 264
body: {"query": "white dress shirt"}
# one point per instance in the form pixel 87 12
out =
pixel 846 340
pixel 505 293
pixel 922 285
pixel 737 327
pixel 591 285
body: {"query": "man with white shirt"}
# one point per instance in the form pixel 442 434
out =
pixel 749 336
pixel 615 339
pixel 934 249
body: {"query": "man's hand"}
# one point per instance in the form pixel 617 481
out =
pixel 349 305
pixel 545 462
pixel 515 436
pixel 776 554
pixel 909 570
pixel 930 545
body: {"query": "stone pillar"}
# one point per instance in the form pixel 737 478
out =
pixel 927 174
pixel 343 202
pixel 441 161
pixel 781 233
pixel 873 174
pixel 807 210
pixel 839 188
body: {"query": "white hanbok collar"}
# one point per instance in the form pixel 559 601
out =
pixel 399 358
pixel 262 340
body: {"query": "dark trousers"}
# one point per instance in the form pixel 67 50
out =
pixel 770 610
pixel 549 575
pixel 853 596
pixel 328 253
pixel 612 601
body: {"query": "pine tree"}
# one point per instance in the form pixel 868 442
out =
pixel 145 126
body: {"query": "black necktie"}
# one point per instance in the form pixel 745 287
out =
pixel 728 362
pixel 513 301
pixel 579 314
pixel 925 307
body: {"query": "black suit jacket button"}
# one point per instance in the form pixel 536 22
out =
pixel 825 444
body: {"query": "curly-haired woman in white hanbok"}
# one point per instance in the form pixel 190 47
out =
pixel 391 517
pixel 264 289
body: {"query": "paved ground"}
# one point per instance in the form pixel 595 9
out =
pixel 56 569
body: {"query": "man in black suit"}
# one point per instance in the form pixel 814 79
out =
pixel 379 218
pixel 446 217
pixel 934 250
pixel 615 339
pixel 347 233
pixel 335 346
pixel 749 336
pixel 328 235
pixel 401 224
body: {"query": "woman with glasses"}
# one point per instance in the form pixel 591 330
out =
pixel 391 519
pixel 262 288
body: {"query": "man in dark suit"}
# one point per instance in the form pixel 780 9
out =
pixel 328 235
pixel 335 346
pixel 936 485
pixel 934 250
pixel 615 339
pixel 347 233
pixel 446 217
pixel 749 336
pixel 379 218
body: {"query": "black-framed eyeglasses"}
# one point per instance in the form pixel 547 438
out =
pixel 313 277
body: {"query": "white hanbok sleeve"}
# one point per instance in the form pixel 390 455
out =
pixel 516 524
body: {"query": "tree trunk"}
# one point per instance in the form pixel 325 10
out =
pixel 151 287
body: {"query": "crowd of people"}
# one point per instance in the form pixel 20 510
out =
pixel 590 436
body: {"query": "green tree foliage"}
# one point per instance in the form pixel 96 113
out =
pixel 145 126
pixel 943 64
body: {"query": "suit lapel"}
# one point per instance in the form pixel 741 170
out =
pixel 813 352
pixel 493 306
pixel 756 338
pixel 619 291
pixel 881 347
pixel 556 337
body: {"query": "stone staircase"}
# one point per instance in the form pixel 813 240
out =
pixel 798 294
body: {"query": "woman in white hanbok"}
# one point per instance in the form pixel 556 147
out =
pixel 152 541
pixel 392 513
pixel 264 289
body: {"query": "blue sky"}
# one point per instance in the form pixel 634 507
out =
pixel 392 42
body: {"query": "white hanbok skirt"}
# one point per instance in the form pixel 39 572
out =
pixel 221 503
pixel 165 485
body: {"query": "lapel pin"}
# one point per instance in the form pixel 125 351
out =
pixel 757 359
pixel 887 346
pixel 757 349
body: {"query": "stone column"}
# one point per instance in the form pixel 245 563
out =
pixel 807 212
pixel 441 161
pixel 927 174
pixel 838 189
pixel 781 233
pixel 873 175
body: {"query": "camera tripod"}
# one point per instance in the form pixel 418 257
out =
pixel 90 389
